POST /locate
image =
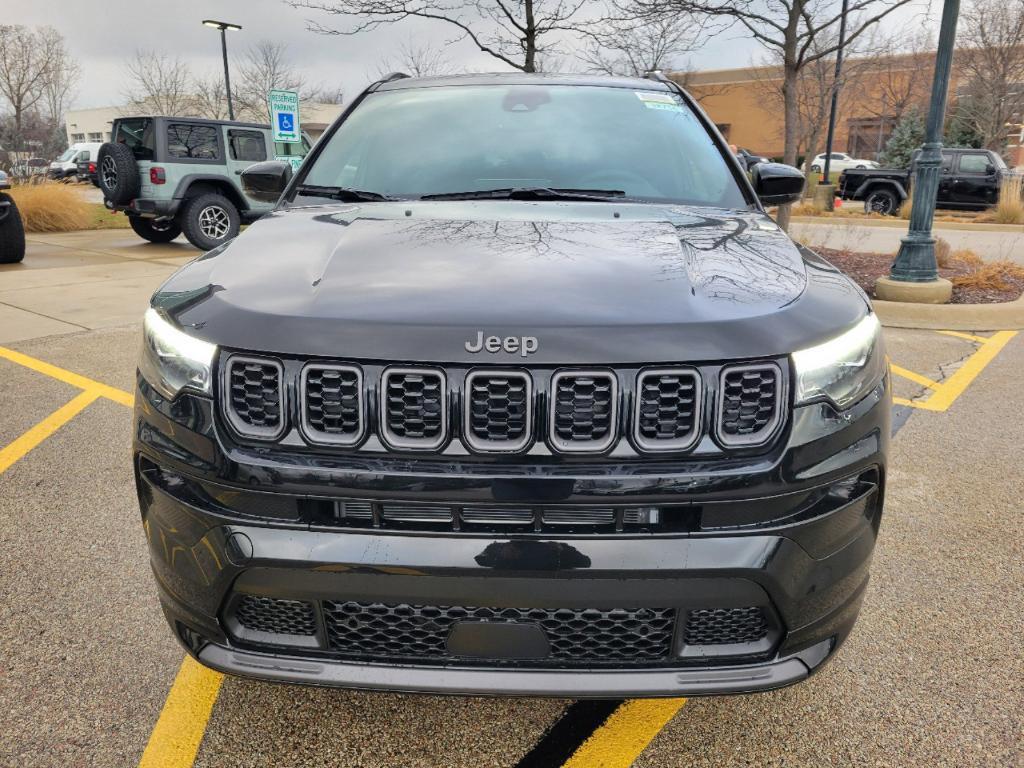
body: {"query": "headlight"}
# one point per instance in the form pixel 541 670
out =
pixel 842 369
pixel 172 360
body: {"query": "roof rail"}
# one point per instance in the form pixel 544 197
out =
pixel 657 74
pixel 393 76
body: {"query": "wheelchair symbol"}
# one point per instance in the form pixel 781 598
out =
pixel 285 121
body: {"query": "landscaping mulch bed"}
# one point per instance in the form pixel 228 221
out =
pixel 865 268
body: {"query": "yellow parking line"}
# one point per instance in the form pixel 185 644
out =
pixel 624 735
pixel 29 440
pixel 954 386
pixel 68 377
pixel 917 378
pixel 967 336
pixel 177 734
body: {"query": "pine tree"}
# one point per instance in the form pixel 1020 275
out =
pixel 907 136
pixel 960 131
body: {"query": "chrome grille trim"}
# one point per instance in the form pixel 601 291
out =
pixel 239 426
pixel 766 433
pixel 320 437
pixel 496 446
pixel 583 446
pixel 674 444
pixel 400 442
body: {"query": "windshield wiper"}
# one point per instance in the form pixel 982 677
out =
pixel 530 193
pixel 344 194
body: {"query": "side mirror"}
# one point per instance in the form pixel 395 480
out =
pixel 990 169
pixel 266 181
pixel 777 183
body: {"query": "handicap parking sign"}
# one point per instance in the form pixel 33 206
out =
pixel 284 115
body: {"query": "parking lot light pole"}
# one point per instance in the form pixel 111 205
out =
pixel 914 275
pixel 224 26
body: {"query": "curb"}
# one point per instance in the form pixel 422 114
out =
pixel 1005 316
pixel 902 224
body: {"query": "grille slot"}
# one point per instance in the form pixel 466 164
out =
pixel 253 396
pixel 749 404
pixel 725 626
pixel 354 510
pixel 668 408
pixel 584 409
pixel 498 410
pixel 332 404
pixel 415 513
pixel 586 516
pixel 414 411
pixel 497 515
pixel 576 635
pixel 279 617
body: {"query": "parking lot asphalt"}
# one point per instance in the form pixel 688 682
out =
pixel 932 675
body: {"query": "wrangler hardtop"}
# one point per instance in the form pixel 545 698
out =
pixel 174 175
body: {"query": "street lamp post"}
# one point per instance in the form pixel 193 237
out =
pixel 224 26
pixel 914 275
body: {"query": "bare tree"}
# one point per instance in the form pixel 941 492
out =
pixel 264 67
pixel 34 67
pixel 515 32
pixel 416 59
pixel 990 63
pixel 159 83
pixel 899 75
pixel 619 45
pixel 210 97
pixel 790 30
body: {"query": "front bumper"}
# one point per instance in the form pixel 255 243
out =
pixel 220 526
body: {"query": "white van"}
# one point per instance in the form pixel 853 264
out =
pixel 66 166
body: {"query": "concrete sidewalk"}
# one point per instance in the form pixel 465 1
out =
pixel 884 237
pixel 40 296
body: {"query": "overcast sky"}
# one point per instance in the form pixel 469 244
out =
pixel 103 34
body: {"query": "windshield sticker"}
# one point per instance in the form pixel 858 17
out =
pixel 659 101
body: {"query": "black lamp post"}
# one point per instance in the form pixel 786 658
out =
pixel 835 97
pixel 915 263
pixel 223 26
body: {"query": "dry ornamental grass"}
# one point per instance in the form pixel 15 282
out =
pixel 51 207
pixel 1010 209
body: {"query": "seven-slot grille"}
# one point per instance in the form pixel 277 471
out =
pixel 332 403
pixel 581 408
pixel 499 407
pixel 413 408
pixel 749 403
pixel 668 405
pixel 254 396
pixel 584 411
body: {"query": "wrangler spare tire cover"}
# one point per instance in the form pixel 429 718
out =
pixel 117 173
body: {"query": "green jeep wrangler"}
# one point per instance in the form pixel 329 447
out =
pixel 174 175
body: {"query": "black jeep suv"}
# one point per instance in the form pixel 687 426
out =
pixel 517 391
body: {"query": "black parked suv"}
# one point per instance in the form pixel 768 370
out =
pixel 517 391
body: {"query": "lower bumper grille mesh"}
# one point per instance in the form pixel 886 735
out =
pixel 575 635
pixel 725 626
pixel 280 617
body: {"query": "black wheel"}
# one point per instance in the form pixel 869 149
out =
pixel 117 173
pixel 816 168
pixel 208 220
pixel 12 232
pixel 155 231
pixel 882 201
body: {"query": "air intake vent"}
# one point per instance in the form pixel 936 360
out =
pixel 413 405
pixel 253 396
pixel 725 626
pixel 749 404
pixel 279 617
pixel 668 406
pixel 499 406
pixel 332 404
pixel 584 409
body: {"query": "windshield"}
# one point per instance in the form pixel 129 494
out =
pixel 68 154
pixel 460 139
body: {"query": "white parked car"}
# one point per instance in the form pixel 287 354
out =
pixel 840 162
pixel 66 166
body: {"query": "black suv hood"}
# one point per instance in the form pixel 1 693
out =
pixel 593 282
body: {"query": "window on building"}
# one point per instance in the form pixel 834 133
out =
pixel 78 137
pixel 95 136
pixel 195 142
pixel 247 145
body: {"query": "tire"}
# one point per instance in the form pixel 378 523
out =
pixel 815 168
pixel 154 231
pixel 209 220
pixel 862 166
pixel 117 173
pixel 12 234
pixel 883 201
